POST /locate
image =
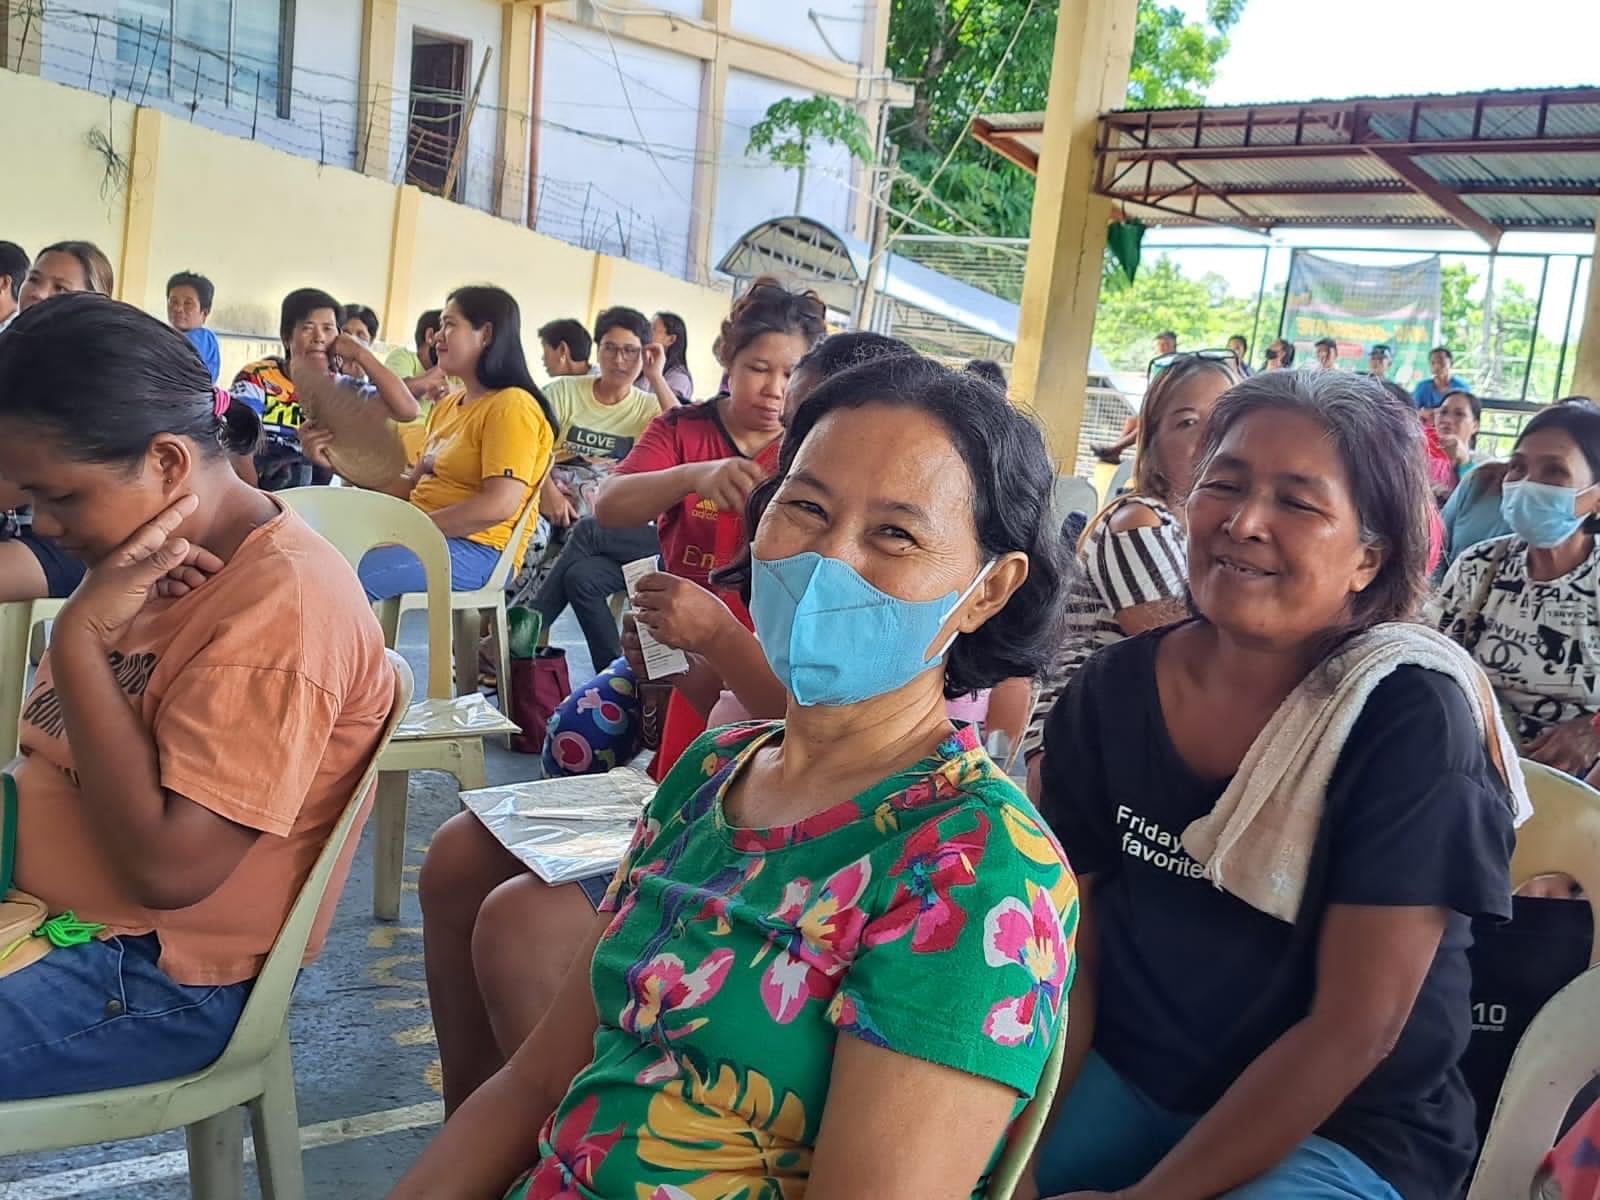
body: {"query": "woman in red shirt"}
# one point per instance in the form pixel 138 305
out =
pixel 691 473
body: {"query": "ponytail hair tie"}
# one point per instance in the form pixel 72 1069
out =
pixel 220 400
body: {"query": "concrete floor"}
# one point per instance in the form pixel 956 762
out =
pixel 366 1066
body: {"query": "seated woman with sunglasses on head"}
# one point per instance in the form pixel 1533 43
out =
pixel 1132 558
pixel 832 960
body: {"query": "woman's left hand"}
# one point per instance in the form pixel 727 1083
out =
pixel 153 560
pixel 1572 746
pixel 682 615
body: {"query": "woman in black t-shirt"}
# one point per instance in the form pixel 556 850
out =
pixel 1216 1049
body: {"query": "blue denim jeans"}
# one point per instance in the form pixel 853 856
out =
pixel 394 570
pixel 104 1015
pixel 1107 1135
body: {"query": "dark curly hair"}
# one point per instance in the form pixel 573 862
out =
pixel 1012 481
pixel 769 307
pixel 1379 440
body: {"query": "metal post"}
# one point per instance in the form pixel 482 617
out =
pixel 1566 328
pixel 1491 382
pixel 535 117
pixel 1283 311
pixel 94 57
pixel 877 255
pixel 1533 334
pixel 1261 298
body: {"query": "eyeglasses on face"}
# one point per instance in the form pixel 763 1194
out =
pixel 626 353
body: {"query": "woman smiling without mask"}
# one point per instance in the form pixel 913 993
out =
pixel 1525 606
pixel 1292 1030
pixel 794 881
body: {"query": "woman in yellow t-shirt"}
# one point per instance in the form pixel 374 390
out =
pixel 488 447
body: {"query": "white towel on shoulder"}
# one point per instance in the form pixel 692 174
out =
pixel 1256 843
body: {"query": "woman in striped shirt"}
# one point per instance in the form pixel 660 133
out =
pixel 1131 559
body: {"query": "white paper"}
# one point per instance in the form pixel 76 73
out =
pixel 565 829
pixel 659 662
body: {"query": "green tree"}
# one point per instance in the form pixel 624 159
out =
pixel 789 129
pixel 1200 311
pixel 954 53
pixel 1501 366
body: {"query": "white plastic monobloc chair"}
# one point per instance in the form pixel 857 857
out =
pixel 1560 1052
pixel 1073 494
pixel 433 737
pixel 469 608
pixel 1029 1127
pixel 21 644
pixel 254 1071
pixel 1119 479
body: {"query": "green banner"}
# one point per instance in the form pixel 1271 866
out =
pixel 1359 307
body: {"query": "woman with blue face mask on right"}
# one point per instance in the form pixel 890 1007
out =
pixel 1527 606
pixel 834 959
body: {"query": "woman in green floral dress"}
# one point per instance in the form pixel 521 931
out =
pixel 859 869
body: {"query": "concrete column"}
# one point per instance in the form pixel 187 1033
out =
pixel 397 314
pixel 1061 284
pixel 599 289
pixel 133 272
pixel 380 94
pixel 708 143
pixel 516 108
pixel 1586 359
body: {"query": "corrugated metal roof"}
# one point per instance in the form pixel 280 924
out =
pixel 1484 161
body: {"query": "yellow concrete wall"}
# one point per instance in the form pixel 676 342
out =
pixel 456 246
pixel 51 190
pixel 702 309
pixel 260 223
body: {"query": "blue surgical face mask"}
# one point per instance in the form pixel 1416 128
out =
pixel 1541 514
pixel 834 639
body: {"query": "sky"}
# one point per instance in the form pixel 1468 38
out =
pixel 1400 47
pixel 1388 48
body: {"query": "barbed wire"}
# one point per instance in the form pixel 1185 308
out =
pixel 118 57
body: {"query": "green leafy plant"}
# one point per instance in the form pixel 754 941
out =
pixel 953 53
pixel 790 128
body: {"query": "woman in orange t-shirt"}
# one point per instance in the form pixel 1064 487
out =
pixel 207 608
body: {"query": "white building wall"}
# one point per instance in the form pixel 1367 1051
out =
pixel 79 48
pixel 827 29
pixel 598 187
pixel 750 189
pixel 478 23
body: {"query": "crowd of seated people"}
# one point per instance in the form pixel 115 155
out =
pixel 837 955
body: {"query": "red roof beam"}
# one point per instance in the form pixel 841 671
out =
pixel 1424 184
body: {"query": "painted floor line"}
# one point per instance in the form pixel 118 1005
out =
pixel 153 1168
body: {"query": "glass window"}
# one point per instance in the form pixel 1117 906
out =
pixel 200 51
pixel 144 47
pixel 261 55
pixel 233 52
